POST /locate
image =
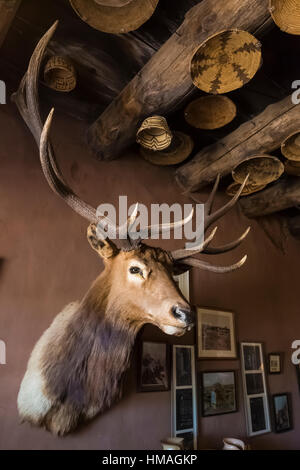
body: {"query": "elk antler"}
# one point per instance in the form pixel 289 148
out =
pixel 26 99
pixel 185 256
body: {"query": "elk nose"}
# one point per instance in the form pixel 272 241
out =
pixel 186 315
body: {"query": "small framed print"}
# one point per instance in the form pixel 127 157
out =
pixel 218 393
pixel 282 412
pixel 154 367
pixel 274 363
pixel 216 334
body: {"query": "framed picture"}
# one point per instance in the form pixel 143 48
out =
pixel 183 282
pixel 184 401
pixel 154 367
pixel 255 390
pixel 282 412
pixel 218 393
pixel 274 363
pixel 216 334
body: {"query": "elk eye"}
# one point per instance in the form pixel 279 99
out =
pixel 135 270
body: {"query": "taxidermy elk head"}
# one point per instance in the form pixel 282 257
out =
pixel 76 368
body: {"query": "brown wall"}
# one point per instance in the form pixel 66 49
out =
pixel 48 263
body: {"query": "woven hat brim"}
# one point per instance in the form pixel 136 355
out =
pixel 210 112
pixel 168 156
pixel 213 73
pixel 115 20
pixel 286 14
pixel 262 169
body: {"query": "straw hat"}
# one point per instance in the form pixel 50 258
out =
pixel 290 147
pixel 60 74
pixel 286 14
pixel 248 189
pixel 292 167
pixel 109 18
pixel 226 61
pixel 210 112
pixel 179 150
pixel 262 169
pixel 154 133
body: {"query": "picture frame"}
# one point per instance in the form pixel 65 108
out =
pixel 274 363
pixel 282 415
pixel 183 282
pixel 216 334
pixel 154 367
pixel 219 393
pixel 255 389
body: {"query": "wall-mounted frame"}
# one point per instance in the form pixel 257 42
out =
pixel 154 367
pixel 275 363
pixel 183 281
pixel 255 389
pixel 184 401
pixel 282 412
pixel 215 334
pixel 218 393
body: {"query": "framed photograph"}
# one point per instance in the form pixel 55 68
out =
pixel 216 334
pixel 274 363
pixel 282 412
pixel 218 393
pixel 184 400
pixel 183 282
pixel 255 390
pixel 154 367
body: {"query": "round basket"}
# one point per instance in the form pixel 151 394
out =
pixel 179 150
pixel 286 14
pixel 60 74
pixel 248 189
pixel 292 167
pixel 110 19
pixel 154 133
pixel 112 3
pixel 290 147
pixel 226 61
pixel 210 112
pixel 262 169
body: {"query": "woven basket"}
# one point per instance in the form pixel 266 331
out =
pixel 210 112
pixel 286 14
pixel 179 150
pixel 248 189
pixel 292 167
pixel 262 169
pixel 226 61
pixel 112 3
pixel 60 74
pixel 154 134
pixel 290 148
pixel 112 19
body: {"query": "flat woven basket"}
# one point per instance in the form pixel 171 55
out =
pixel 262 169
pixel 226 61
pixel 290 147
pixel 210 112
pixel 113 3
pixel 179 150
pixel 286 14
pixel 248 189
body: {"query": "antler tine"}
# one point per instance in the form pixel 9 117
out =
pixel 210 250
pixel 215 269
pixel 161 228
pixel 186 253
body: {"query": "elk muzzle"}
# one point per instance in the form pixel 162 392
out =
pixel 184 314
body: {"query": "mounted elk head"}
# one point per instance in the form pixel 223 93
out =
pixel 76 368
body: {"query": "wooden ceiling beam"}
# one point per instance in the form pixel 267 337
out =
pixel 262 134
pixel 8 9
pixel 164 83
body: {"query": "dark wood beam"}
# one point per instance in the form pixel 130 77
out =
pixel 165 83
pixel 281 195
pixel 8 9
pixel 294 226
pixel 262 134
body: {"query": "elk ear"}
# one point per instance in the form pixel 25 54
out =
pixel 105 248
